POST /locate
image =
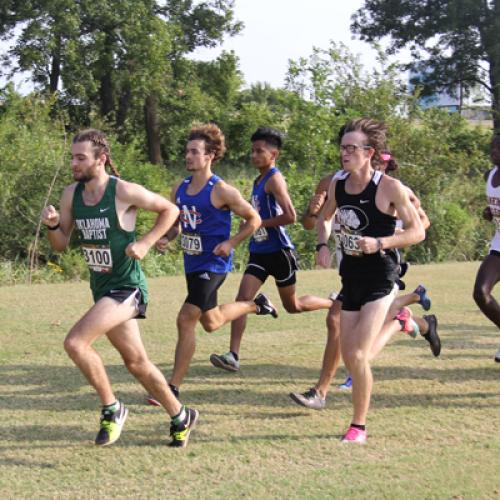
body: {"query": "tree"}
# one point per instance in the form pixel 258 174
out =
pixel 116 59
pixel 451 41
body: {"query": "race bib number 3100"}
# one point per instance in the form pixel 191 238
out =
pixel 98 258
pixel 191 244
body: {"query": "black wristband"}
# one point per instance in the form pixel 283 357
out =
pixel 319 245
pixel 53 228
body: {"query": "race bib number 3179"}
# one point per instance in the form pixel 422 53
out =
pixel 191 244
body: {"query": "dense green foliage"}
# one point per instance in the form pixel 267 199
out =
pixel 442 157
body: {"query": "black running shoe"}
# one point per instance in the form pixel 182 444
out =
pixel 111 426
pixel 264 306
pixel 309 399
pixel 180 433
pixel 432 336
pixel 175 391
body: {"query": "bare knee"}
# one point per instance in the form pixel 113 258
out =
pixel 209 324
pixel 292 307
pixel 355 358
pixel 481 296
pixel 333 325
pixel 73 346
pixel 136 366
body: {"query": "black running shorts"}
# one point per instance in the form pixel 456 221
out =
pixel 122 294
pixel 202 289
pixel 281 265
pixel 357 293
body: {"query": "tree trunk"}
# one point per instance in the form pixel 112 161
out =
pixel 152 129
pixel 55 67
pixel 124 102
pixel 106 80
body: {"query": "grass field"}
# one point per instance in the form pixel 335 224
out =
pixel 433 426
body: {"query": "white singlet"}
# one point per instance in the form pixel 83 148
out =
pixel 493 196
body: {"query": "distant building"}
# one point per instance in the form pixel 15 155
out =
pixel 473 105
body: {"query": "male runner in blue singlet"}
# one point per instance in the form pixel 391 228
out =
pixel 206 202
pixel 271 250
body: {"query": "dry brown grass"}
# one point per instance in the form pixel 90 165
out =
pixel 433 425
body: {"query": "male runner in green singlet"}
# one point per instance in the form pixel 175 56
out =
pixel 103 209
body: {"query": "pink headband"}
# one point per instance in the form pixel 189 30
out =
pixel 385 156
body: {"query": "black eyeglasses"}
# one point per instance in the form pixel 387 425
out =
pixel 351 148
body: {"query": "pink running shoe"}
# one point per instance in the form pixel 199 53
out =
pixel 404 318
pixel 152 401
pixel 354 435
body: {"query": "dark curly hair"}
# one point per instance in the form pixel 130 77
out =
pixel 213 137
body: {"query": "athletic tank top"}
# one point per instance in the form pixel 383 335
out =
pixel 267 239
pixel 203 228
pixel 493 195
pixel 359 216
pixel 103 243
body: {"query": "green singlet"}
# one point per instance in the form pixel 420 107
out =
pixel 103 244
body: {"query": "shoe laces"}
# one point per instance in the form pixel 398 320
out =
pixel 311 393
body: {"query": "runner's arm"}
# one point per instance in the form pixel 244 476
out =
pixel 228 196
pixel 421 213
pixel 324 227
pixel 62 221
pixel 276 185
pixel 413 230
pixel 138 196
pixel 162 244
pixel 310 216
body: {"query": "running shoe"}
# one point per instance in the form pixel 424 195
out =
pixel 497 356
pixel 404 318
pixel 432 335
pixel 425 300
pixel 154 402
pixel 347 384
pixel 180 433
pixel 264 306
pixel 111 426
pixel 225 361
pixel 354 435
pixel 310 399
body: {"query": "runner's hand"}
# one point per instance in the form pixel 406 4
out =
pixel 50 216
pixel 223 249
pixel 369 245
pixel 137 250
pixel 162 245
pixel 323 257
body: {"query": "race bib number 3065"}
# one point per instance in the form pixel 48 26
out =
pixel 191 244
pixel 98 258
pixel 350 244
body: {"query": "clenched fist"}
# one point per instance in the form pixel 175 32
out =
pixel 137 250
pixel 50 216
